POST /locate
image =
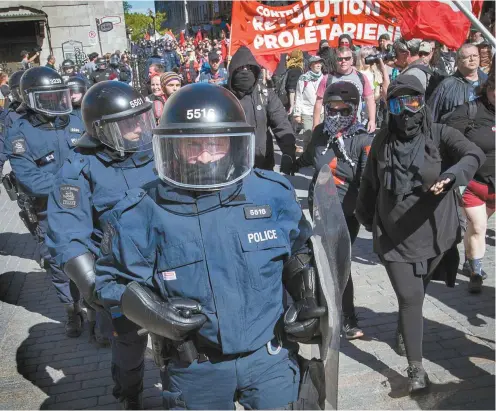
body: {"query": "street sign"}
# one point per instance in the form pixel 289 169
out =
pixel 107 26
pixel 92 37
pixel 115 20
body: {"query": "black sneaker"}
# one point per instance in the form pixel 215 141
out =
pixel 418 379
pixel 350 327
pixel 475 284
pixel 400 344
pixel 134 402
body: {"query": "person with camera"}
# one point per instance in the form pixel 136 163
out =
pixel 26 60
pixel 346 72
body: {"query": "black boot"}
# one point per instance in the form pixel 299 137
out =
pixel 418 379
pixel 475 284
pixel 350 327
pixel 134 402
pixel 74 324
pixel 96 337
pixel 400 343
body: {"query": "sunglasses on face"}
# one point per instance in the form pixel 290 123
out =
pixel 342 111
pixel 344 58
pixel 413 104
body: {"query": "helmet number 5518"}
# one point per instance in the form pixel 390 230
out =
pixel 199 113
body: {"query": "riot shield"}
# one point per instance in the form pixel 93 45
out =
pixel 332 250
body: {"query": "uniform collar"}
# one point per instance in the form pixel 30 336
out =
pixel 134 160
pixel 232 195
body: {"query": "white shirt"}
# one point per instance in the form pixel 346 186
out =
pixel 306 94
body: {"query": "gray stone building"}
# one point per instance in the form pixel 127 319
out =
pixel 65 29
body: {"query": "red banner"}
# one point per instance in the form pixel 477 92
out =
pixel 269 31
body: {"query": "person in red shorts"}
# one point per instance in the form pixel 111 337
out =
pixel 478 197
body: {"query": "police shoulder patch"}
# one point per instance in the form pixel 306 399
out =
pixel 19 146
pixel 69 196
pixel 108 234
pixel 255 212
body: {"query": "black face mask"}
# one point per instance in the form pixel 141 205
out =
pixel 243 81
pixel 209 173
pixel 408 125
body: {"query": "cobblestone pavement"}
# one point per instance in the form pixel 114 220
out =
pixel 41 368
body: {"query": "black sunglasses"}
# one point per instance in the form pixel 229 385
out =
pixel 344 111
pixel 343 58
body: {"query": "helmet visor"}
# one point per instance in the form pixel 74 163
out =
pixel 204 162
pixel 413 104
pixel 51 102
pixel 130 134
pixel 77 94
pixel 14 92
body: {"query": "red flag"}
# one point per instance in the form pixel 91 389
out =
pixel 182 40
pixel 198 37
pixel 436 20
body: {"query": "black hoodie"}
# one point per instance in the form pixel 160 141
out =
pixel 263 109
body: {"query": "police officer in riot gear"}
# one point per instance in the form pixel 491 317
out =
pixel 13 112
pixel 172 61
pixel 155 58
pixel 112 157
pixel 37 144
pixel 201 261
pixel 77 87
pixel 68 69
pixel 101 73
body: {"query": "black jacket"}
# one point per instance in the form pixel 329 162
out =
pixel 263 109
pixel 421 225
pixel 346 178
pixel 479 131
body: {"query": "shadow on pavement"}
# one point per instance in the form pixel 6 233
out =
pixel 21 245
pixel 73 373
pixel 476 387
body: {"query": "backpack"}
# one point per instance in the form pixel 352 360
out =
pixel 434 78
pixel 280 88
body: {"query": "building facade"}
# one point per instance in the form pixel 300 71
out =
pixel 186 13
pixel 66 30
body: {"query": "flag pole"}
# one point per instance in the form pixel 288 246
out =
pixel 475 21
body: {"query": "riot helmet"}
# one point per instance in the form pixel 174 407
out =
pixel 68 67
pixel 43 90
pixel 114 61
pixel 157 51
pixel 101 63
pixel 14 83
pixel 203 141
pixel 168 45
pixel 77 87
pixel 118 116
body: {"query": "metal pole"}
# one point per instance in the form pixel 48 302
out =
pixel 99 39
pixel 475 21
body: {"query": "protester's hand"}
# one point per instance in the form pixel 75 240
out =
pixel 371 126
pixel 440 185
pixel 298 119
pixel 381 64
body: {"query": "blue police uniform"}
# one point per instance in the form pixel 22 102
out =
pixel 7 118
pixel 87 186
pixel 77 112
pixel 171 60
pixel 153 60
pixel 36 150
pixel 226 250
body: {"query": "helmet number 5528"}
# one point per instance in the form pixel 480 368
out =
pixel 199 113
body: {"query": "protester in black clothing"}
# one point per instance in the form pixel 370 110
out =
pixel 407 200
pixel 342 142
pixel 295 70
pixel 478 198
pixel 263 109
pixel 328 55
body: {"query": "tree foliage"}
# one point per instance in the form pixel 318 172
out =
pixel 140 23
pixel 127 6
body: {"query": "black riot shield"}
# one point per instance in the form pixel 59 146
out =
pixel 332 250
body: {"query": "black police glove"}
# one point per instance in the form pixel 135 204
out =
pixel 287 164
pixel 173 319
pixel 302 319
pixel 81 270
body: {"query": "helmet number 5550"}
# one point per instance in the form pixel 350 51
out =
pixel 199 113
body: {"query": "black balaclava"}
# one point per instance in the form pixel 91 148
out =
pixel 243 82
